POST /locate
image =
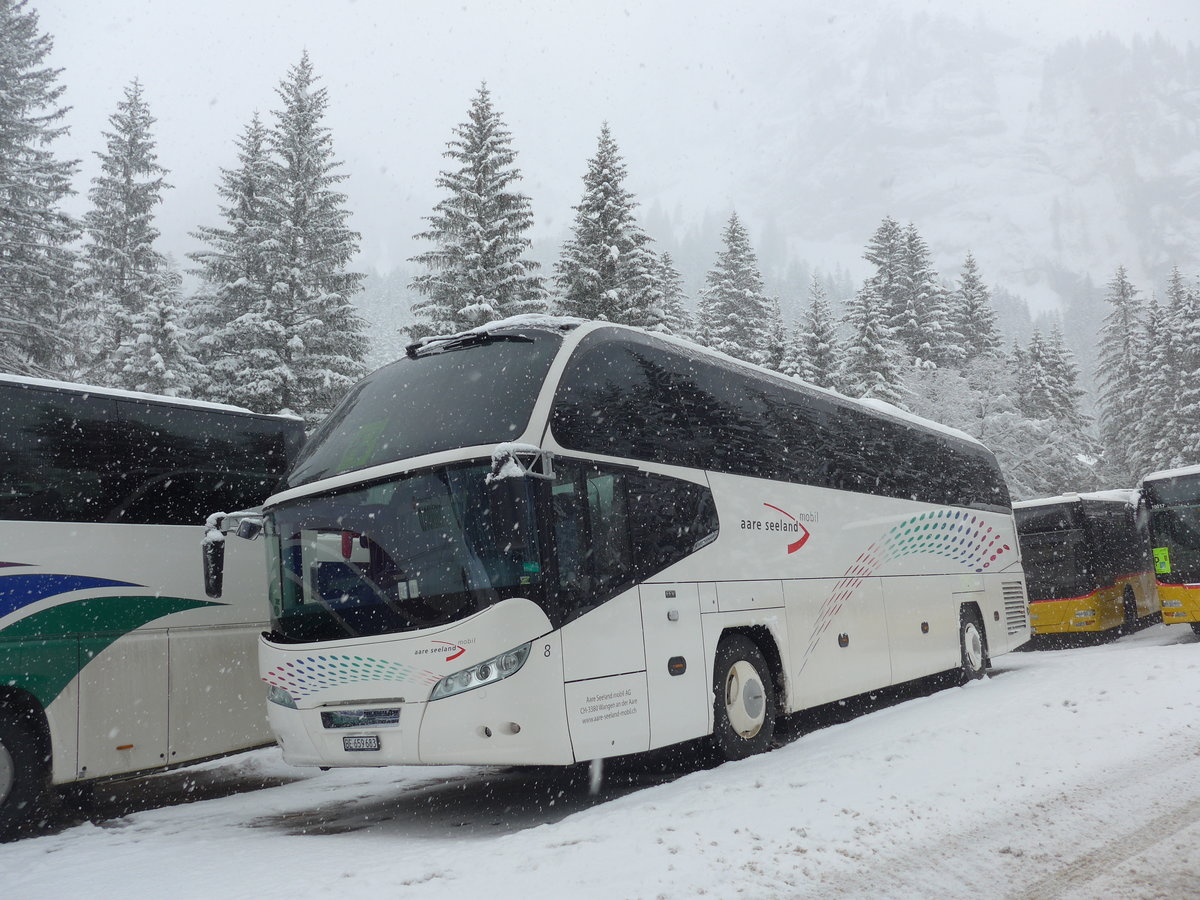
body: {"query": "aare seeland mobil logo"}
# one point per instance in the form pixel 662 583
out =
pixel 792 525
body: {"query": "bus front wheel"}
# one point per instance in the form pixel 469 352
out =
pixel 743 701
pixel 23 774
pixel 973 646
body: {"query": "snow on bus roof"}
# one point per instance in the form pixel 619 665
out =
pixel 528 320
pixel 565 323
pixel 1172 473
pixel 875 406
pixel 1123 495
pixel 130 395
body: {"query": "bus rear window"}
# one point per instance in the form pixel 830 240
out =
pixel 480 393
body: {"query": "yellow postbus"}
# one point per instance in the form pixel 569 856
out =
pixel 1174 500
pixel 1087 562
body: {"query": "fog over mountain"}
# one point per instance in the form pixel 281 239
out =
pixel 1054 141
pixel 1049 165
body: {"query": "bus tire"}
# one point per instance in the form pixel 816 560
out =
pixel 973 645
pixel 24 775
pixel 743 699
pixel 1131 610
pixel 1196 628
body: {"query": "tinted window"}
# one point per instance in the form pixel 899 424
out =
pixel 80 457
pixel 56 462
pixel 634 397
pixel 613 527
pixel 181 463
pixel 479 393
pixel 1176 531
pixel 413 552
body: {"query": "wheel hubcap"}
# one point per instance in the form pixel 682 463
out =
pixel 973 647
pixel 745 699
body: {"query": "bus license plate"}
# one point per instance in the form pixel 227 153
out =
pixel 360 742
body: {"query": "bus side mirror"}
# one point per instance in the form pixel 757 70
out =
pixel 212 551
pixel 249 528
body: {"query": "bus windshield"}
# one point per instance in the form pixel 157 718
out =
pixel 1056 553
pixel 458 394
pixel 1176 532
pixel 413 552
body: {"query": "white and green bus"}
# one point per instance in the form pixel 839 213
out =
pixel 112 660
pixel 548 542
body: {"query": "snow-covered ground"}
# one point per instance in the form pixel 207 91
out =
pixel 1066 773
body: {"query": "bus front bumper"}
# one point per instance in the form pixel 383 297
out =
pixel 1180 603
pixel 1077 615
pixel 520 720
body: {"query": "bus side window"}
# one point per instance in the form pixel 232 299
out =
pixel 591 531
pixel 570 538
pixel 669 519
pixel 610 552
pixel 613 528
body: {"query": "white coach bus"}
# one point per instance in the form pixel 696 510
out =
pixel 112 661
pixel 547 541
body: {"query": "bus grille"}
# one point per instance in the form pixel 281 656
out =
pixel 1016 609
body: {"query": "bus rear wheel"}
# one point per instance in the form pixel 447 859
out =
pixel 1131 611
pixel 973 645
pixel 743 699
pixel 23 774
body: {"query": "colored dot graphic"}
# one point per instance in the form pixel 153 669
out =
pixel 308 675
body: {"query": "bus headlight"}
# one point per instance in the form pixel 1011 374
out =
pixel 487 672
pixel 280 696
pixel 1172 604
pixel 1085 613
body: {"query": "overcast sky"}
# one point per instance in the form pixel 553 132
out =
pixel 665 75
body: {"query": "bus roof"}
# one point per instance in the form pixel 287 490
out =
pixel 133 395
pixel 567 323
pixel 1127 496
pixel 1172 473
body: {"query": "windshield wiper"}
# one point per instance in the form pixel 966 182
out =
pixel 430 346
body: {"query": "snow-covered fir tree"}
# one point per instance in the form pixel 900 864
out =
pixel 735 315
pixel 872 359
pixel 886 250
pixel 1064 456
pixel 234 302
pixel 814 354
pixel 776 337
pixel 918 313
pixel 159 357
pixel 309 341
pixel 1160 430
pixel 1178 405
pixel 35 234
pixel 478 270
pixel 676 317
pixel 121 266
pixel 1120 368
pixel 607 269
pixel 972 317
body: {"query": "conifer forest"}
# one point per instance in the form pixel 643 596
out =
pixel 270 314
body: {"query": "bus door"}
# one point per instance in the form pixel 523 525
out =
pixel 677 676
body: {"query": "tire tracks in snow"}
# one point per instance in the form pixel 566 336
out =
pixel 1099 863
pixel 1016 850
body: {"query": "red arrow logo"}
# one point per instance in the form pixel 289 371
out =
pixel 452 656
pixel 793 547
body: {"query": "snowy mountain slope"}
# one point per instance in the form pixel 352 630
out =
pixel 1072 773
pixel 1049 164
